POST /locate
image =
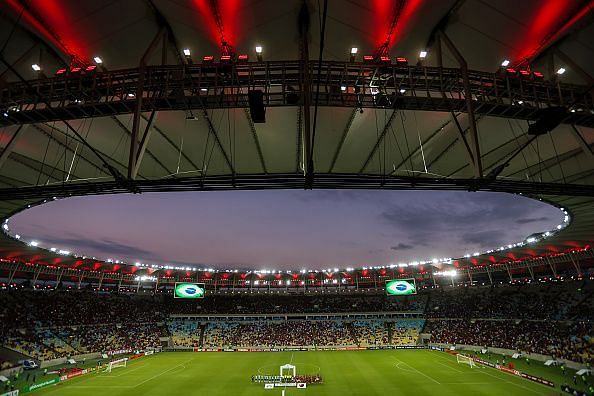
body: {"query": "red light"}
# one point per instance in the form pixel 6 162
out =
pixel 510 70
pixel 60 72
pixel 208 58
pixel 225 57
pixel 75 70
pixel 368 58
pixel 524 73
pixel 385 59
pixel 91 68
pixel 401 61
pixel 243 58
pixel 538 75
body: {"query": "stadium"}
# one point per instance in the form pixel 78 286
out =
pixel 488 104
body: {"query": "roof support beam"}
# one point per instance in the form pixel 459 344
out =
pixel 379 140
pixel 256 140
pixel 478 171
pixel 304 24
pixel 10 145
pixel 461 131
pixel 582 142
pixel 345 132
pixel 138 107
pixel 143 144
pixel 148 152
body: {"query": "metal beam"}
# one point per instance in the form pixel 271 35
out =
pixel 256 140
pixel 10 145
pixel 582 142
pixel 379 140
pixel 478 171
pixel 345 132
pixel 143 144
pixel 138 106
pixel 148 152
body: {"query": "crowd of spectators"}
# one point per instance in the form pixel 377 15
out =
pixel 557 339
pixel 564 301
pixel 271 334
pixel 552 318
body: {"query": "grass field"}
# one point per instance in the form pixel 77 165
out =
pixel 396 372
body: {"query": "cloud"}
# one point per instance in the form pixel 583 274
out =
pixel 106 247
pixel 484 239
pixel 402 246
pixel 528 220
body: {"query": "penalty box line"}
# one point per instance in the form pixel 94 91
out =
pixel 504 378
pixel 417 371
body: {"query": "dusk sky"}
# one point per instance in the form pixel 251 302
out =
pixel 284 229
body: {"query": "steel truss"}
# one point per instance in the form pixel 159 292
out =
pixel 342 84
pixel 294 181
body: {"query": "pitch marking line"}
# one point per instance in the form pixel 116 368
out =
pixel 162 373
pixel 419 372
pixel 450 367
pixel 123 373
pixel 486 371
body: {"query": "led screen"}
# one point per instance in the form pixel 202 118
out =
pixel 189 290
pixel 399 287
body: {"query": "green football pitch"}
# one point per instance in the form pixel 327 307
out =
pixel 395 372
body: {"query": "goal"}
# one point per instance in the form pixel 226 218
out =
pixel 116 363
pixel 465 360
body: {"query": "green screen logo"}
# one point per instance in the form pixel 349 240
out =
pixel 189 290
pixel 399 287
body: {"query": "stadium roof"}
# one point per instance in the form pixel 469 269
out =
pixel 377 124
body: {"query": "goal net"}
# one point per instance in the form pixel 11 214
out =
pixel 115 364
pixel 465 360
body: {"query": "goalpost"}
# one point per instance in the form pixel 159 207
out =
pixel 116 363
pixel 465 360
pixel 287 371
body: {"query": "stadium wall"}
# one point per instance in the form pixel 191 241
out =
pixel 509 352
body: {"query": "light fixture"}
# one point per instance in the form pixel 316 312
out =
pixel 35 67
pixel 505 63
pixel 354 50
pixel 258 49
pixel 186 51
pixel 98 60
pixel 34 243
pixel 423 54
pixel 561 70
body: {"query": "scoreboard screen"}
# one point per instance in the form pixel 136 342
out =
pixel 189 290
pixel 400 287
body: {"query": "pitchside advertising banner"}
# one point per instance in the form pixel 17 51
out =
pixel 401 287
pixel 43 384
pixel 189 290
pixel 11 393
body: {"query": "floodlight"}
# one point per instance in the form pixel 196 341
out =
pixel 98 60
pixel 505 63
pixel 258 49
pixel 561 70
pixel 354 50
pixel 186 51
pixel 423 54
pixel 35 67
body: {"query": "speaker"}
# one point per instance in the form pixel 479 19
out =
pixel 256 102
